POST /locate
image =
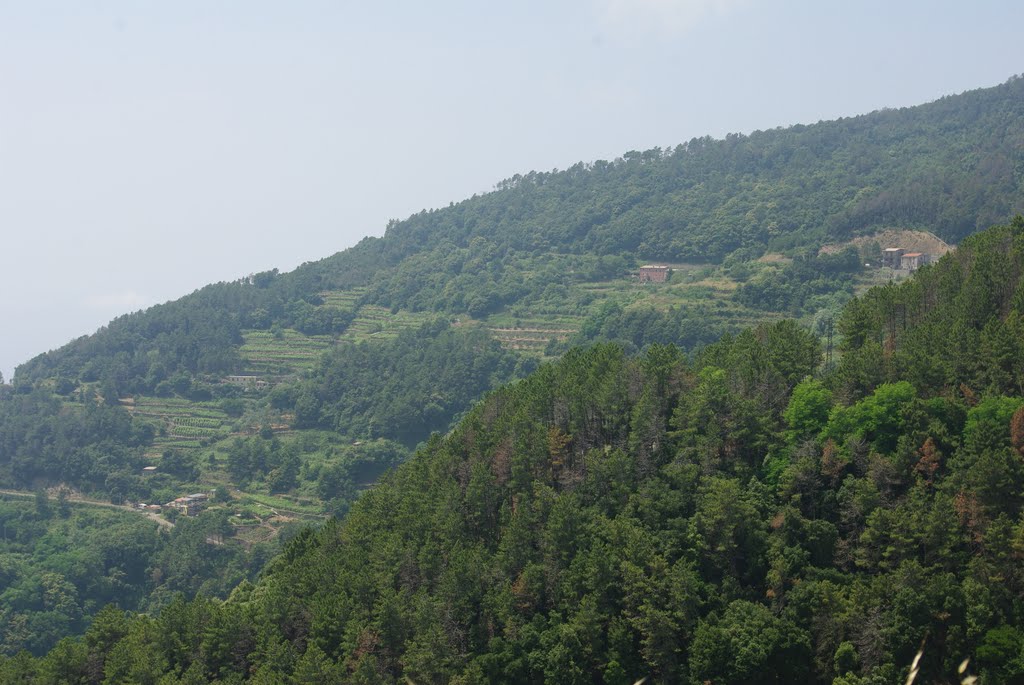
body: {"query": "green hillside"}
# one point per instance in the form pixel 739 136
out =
pixel 290 394
pixel 542 240
pixel 744 516
pixel 62 560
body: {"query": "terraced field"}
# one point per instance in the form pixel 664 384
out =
pixel 603 288
pixel 533 334
pixel 181 424
pixel 288 353
pixel 530 329
pixel 342 299
pixel 377 323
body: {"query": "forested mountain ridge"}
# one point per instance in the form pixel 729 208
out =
pixel 950 166
pixel 290 393
pixel 744 516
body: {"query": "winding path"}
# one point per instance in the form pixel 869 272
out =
pixel 75 498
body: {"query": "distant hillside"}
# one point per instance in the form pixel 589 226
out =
pixel 542 263
pixel 949 167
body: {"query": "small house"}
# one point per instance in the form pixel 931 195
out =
pixel 190 505
pixel 653 273
pixel 911 261
pixel 891 257
pixel 250 383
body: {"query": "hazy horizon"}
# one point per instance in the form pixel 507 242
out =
pixel 147 152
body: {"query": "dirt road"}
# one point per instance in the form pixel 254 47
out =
pixel 75 498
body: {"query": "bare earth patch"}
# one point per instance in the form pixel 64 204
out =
pixel 911 241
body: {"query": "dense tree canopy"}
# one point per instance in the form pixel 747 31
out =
pixel 61 563
pixel 680 498
pixel 728 518
pixel 406 388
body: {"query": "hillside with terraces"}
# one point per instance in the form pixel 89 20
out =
pixel 201 421
pixel 303 386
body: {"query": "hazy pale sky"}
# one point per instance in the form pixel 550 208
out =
pixel 147 149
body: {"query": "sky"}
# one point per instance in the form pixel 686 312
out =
pixel 148 149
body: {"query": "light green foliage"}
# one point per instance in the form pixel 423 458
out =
pixel 808 410
pixel 988 423
pixel 877 418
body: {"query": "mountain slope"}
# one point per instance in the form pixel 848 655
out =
pixel 540 263
pixel 260 387
pixel 951 167
pixel 957 324
pixel 726 520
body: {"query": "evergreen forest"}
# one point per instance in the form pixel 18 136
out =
pixel 479 450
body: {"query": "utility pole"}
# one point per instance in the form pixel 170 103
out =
pixel 828 345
